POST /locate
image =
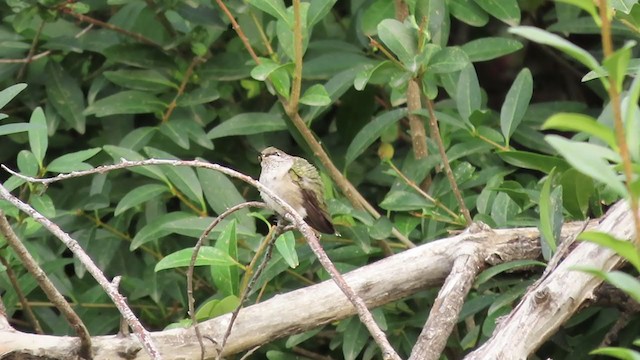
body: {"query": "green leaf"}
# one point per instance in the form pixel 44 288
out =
pixel 118 153
pixel 490 48
pixel 508 266
pixel 43 204
pixel 206 93
pixel 516 103
pixel 38 137
pixel 375 74
pixel 449 59
pixel 355 337
pixel 285 31
pixel 73 161
pixel 544 37
pixel 226 277
pixel 216 307
pixel 65 95
pixel 27 163
pixel 126 102
pixel 175 131
pixel 626 249
pixel 221 194
pixel 468 12
pixel 286 246
pixel 504 10
pixel 581 123
pixel 372 131
pixel 529 160
pixel 400 39
pixel 468 97
pixel 138 196
pixel 144 80
pixel 157 228
pixel 14 128
pixel 551 219
pixel 208 255
pixel 589 159
pixel 619 279
pixel 617 352
pixel 318 10
pixel 274 8
pixel 248 124
pixel 281 82
pixel 9 93
pixel 577 189
pixel 184 178
pixel 316 95
pixel 617 64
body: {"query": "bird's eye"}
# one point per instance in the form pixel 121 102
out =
pixel 278 153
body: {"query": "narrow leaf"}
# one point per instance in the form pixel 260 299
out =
pixel 516 103
pixel 208 255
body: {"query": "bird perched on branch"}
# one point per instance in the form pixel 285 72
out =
pixel 298 183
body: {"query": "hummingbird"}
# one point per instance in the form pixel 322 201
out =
pixel 298 183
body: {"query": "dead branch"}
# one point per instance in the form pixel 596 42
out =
pixel 379 283
pixel 548 304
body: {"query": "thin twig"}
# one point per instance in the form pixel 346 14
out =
pixel 245 292
pixel 614 95
pixel 45 284
pixel 435 134
pixel 139 330
pixel 415 187
pixel 291 215
pixel 23 299
pixel 238 30
pixel 32 50
pixel 194 256
pixel 185 80
pixel 112 27
pixel 27 59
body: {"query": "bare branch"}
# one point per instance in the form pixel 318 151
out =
pixel 548 304
pixel 387 280
pixel 194 256
pixel 292 216
pixel 47 286
pixel 77 250
pixel 446 308
pixel 23 300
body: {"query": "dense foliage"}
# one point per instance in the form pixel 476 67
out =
pixel 134 79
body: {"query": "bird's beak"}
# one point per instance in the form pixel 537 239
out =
pixel 260 158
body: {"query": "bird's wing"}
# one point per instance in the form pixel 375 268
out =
pixel 317 214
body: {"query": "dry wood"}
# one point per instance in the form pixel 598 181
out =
pixel 387 280
pixel 549 303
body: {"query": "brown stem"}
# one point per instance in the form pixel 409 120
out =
pixel 238 30
pixel 185 80
pixel 32 50
pixel 413 185
pixel 418 134
pixel 112 27
pixel 47 286
pixel 435 133
pixel 607 47
pixel 23 299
